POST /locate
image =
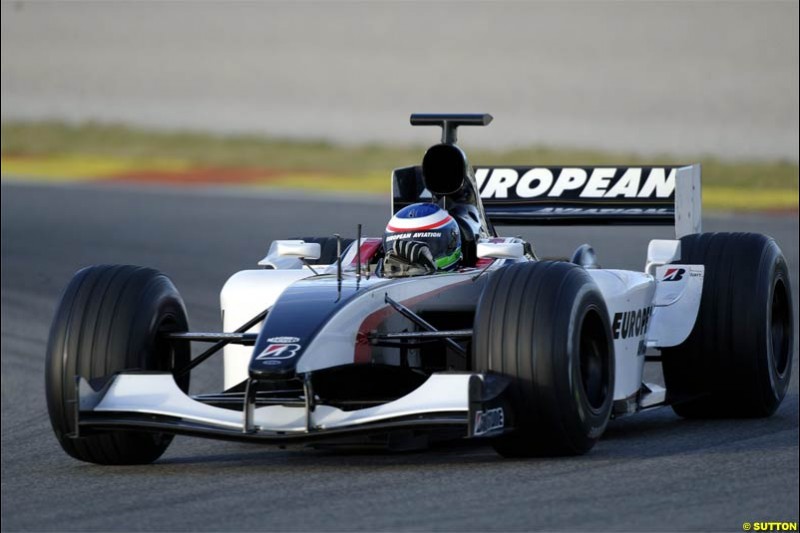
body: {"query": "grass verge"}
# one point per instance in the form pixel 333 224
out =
pixel 90 150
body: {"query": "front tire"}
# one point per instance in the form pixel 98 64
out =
pixel 737 361
pixel 109 320
pixel 545 324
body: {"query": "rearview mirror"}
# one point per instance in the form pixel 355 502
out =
pixel 661 252
pixel 284 255
pixel 300 249
pixel 500 250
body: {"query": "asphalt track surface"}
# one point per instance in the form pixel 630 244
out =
pixel 652 471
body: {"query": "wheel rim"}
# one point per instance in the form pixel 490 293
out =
pixel 166 353
pixel 164 350
pixel 780 327
pixel 594 361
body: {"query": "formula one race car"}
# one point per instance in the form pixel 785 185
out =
pixel 386 342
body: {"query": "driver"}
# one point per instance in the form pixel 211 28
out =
pixel 421 239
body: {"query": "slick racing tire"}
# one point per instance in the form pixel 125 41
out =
pixel 328 248
pixel 109 319
pixel 737 361
pixel 545 324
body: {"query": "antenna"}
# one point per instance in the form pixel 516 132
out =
pixel 338 264
pixel 358 255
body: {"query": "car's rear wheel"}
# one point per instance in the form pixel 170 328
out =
pixel 110 319
pixel 545 324
pixel 737 361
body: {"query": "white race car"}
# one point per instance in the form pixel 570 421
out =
pixel 322 347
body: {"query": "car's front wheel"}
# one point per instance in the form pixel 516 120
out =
pixel 110 319
pixel 545 324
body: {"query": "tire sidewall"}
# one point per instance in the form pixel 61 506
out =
pixel 773 269
pixel 592 421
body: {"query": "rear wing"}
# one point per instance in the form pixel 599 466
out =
pixel 515 195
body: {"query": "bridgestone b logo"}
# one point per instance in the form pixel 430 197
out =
pixel 280 350
pixel 631 323
pixel 674 274
pixel 591 184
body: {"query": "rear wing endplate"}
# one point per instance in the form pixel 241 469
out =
pixel 515 195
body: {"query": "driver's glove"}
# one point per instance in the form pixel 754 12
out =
pixel 408 258
pixel 415 253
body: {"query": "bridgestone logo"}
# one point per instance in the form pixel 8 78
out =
pixel 652 183
pixel 631 323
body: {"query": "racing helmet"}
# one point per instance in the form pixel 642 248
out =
pixel 421 239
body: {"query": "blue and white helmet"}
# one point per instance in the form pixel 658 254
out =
pixel 421 239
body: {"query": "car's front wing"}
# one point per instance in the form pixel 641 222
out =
pixel 460 404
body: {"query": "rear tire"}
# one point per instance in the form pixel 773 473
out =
pixel 545 324
pixel 108 321
pixel 737 361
